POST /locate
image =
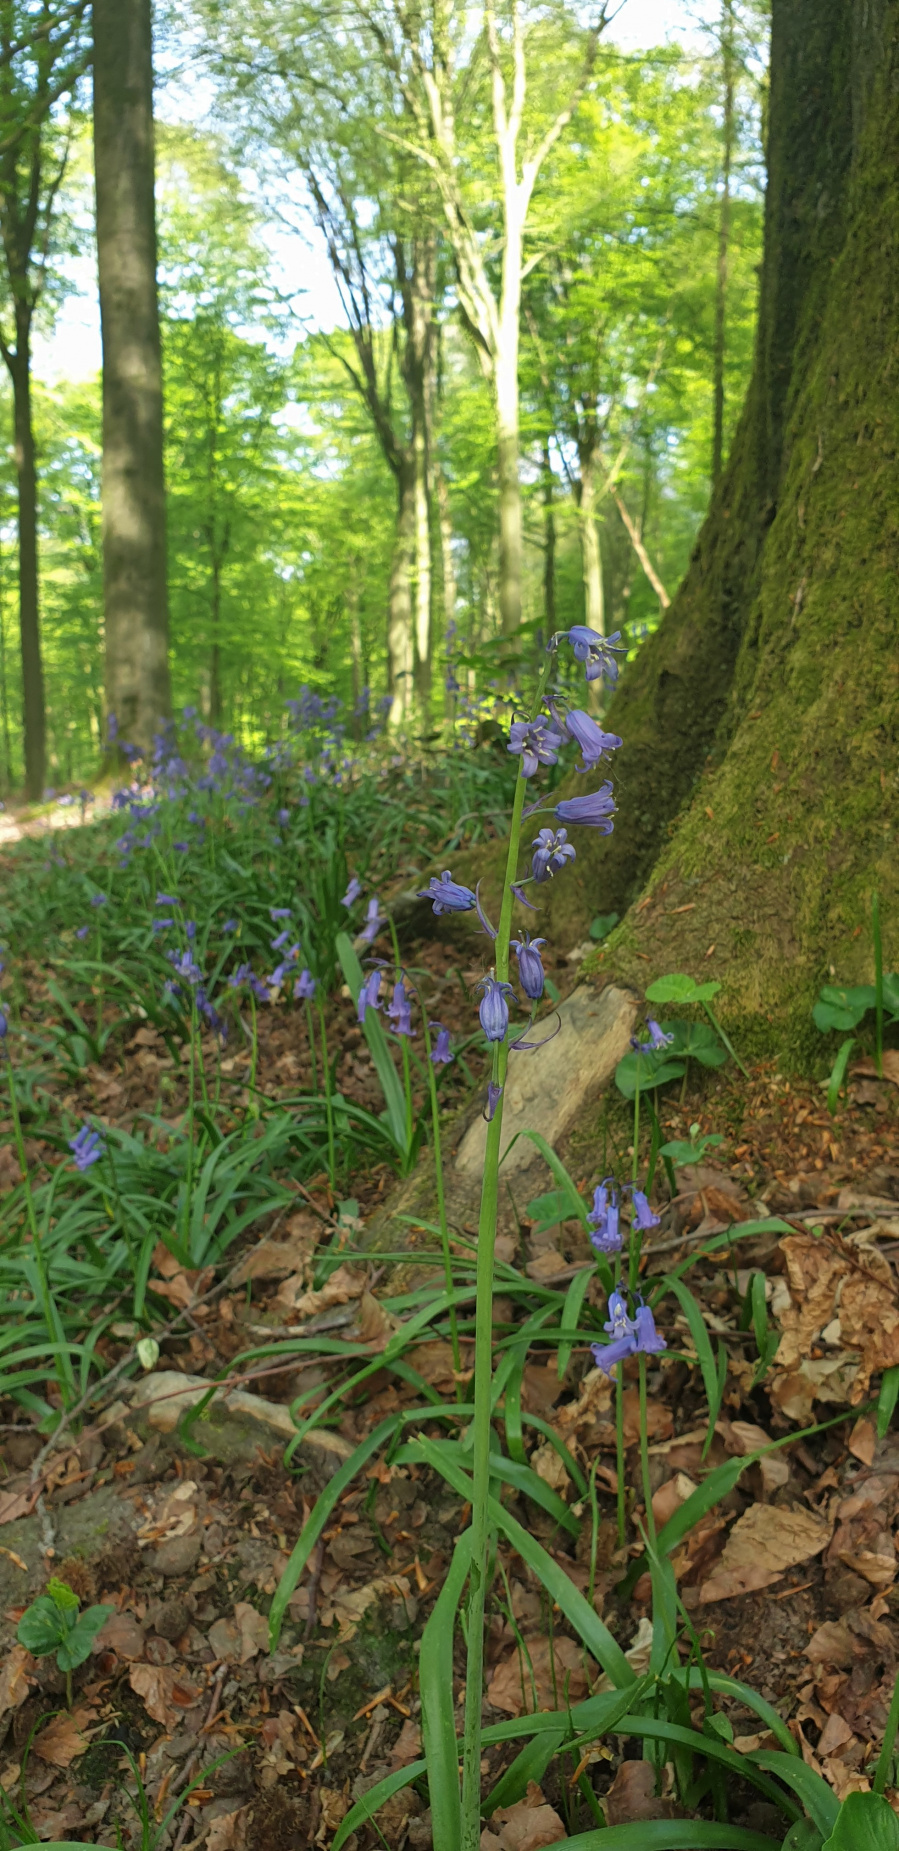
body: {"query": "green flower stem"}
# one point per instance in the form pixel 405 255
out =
pixel 311 1033
pixel 326 1074
pixel 483 1375
pixel 644 1454
pixel 878 982
pixel 404 1045
pixel 619 1456
pixel 726 1039
pixel 191 1094
pixel 36 1244
pixel 441 1197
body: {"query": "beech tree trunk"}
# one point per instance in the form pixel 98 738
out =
pixel 758 781
pixel 29 608
pixel 400 629
pixel 591 558
pixel 134 541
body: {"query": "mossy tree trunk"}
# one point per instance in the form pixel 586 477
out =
pixel 757 785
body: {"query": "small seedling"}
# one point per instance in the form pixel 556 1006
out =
pixel 53 1624
pixel 682 1153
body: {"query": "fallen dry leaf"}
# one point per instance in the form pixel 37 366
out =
pixel 176 1515
pixel 527 1826
pixel 890 1066
pixel 878 1566
pixel 632 1796
pixel 15 1504
pixel 407 1746
pixel 511 1687
pixel 434 1362
pixel 64 1737
pixel 14 1678
pixel 349 1607
pixel 122 1634
pixel 165 1691
pixel 851 1294
pixel 229 1832
pixel 375 1325
pixel 765 1541
pixel 548 1466
pixel 863 1441
pixel 253 1630
pixel 278 1259
pixel 346 1283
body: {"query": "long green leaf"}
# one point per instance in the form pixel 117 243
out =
pixel 866 1823
pixel 378 1045
pixel 817 1797
pixel 366 1808
pixel 593 1634
pixel 315 1523
pixel 705 1354
pixel 886 1401
pixel 571 1311
pixel 668 1835
pixel 438 1721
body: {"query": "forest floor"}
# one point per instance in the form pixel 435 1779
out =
pixel 790 1580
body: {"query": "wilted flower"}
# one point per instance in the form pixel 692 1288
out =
pixel 604 1219
pixel 530 968
pixel 87 1147
pixel 593 742
pixel 493 1009
pixel 399 1010
pixel 447 895
pixel 368 995
pixel 657 1040
pixel 352 893
pixel 595 811
pixel 552 850
pixel 537 741
pixel 305 986
pixel 441 1054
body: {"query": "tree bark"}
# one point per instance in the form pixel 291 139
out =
pixel 591 558
pixel 757 783
pixel 423 590
pixel 29 610
pixel 727 57
pixel 636 539
pixel 549 542
pixel 134 539
pixel 507 463
pixel 400 628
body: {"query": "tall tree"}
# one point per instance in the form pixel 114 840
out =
pixel 728 85
pixel 42 57
pixel 134 532
pixel 760 830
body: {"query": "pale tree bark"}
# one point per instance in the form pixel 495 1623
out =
pixel 134 537
pixel 400 631
pixel 591 557
pixel 549 540
pixel 729 73
pixel 636 540
pixel 492 317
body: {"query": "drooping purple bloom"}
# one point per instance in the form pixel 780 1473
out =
pixel 98 899
pixel 87 1147
pixel 279 912
pixel 167 899
pixel 352 893
pixel 399 1010
pixel 593 742
pixel 284 818
pixel 595 651
pixel 305 986
pixel 230 925
pixel 82 931
pixel 368 995
pixel 182 847
pixel 374 919
pixel 623 1333
pixel 604 1219
pixel 522 897
pixel 494 1095
pixel 240 976
pixel 161 925
pixel 493 1009
pixel 488 928
pixel 648 1338
pixel 552 850
pixel 643 1217
pixel 191 929
pixel 530 968
pixel 595 811
pixel 281 939
pixel 447 895
pixel 441 1054
pixel 4 1026
pixel 657 1040
pixel 536 741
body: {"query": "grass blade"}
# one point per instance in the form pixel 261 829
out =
pixel 438 1720
pixel 312 1529
pixel 705 1355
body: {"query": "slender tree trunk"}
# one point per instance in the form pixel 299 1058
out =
pixel 4 691
pixel 549 543
pixel 215 653
pixel 636 540
pixel 727 54
pixel 29 609
pixel 400 632
pixel 423 589
pixel 134 541
pixel 505 387
pixel 591 557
